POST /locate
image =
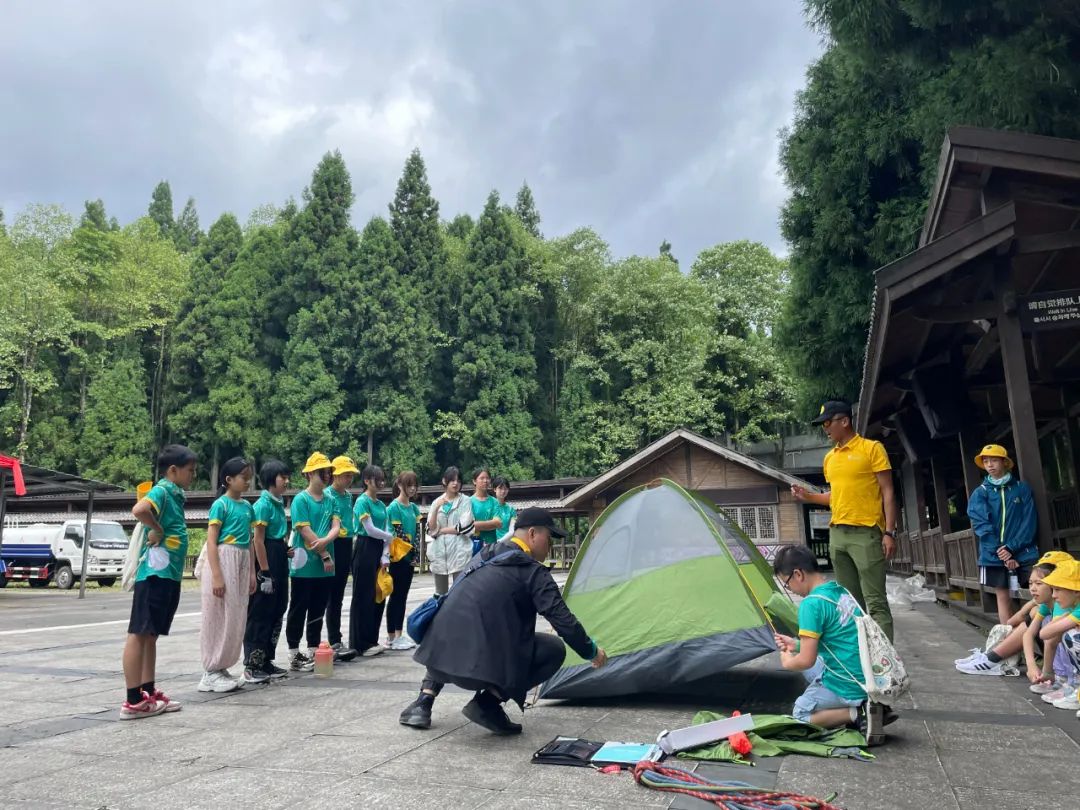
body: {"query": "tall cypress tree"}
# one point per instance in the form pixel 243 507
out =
pixel 161 207
pixel 202 344
pixel 525 209
pixel 186 233
pixel 494 369
pixel 117 434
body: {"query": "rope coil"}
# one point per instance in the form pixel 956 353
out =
pixel 726 795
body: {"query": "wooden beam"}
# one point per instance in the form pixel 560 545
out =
pixel 1021 407
pixel 941 496
pixel 1046 243
pixel 970 444
pixel 961 313
pixel 981 354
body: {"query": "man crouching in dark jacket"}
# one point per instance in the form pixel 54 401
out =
pixel 483 637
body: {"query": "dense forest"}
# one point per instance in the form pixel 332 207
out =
pixel 862 152
pixel 417 341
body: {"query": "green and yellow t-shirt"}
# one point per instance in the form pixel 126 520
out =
pixel 345 511
pixel 368 507
pixel 318 516
pixel 166 560
pixel 507 513
pixel 270 512
pixel 405 519
pixel 235 519
pixel 851 470
pixel 486 510
pixel 1058 611
pixel 828 614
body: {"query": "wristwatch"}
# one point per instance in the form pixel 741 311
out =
pixel 890 532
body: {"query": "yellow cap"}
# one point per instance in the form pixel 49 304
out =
pixel 384 586
pixel 1055 558
pixel 143 488
pixel 344 464
pixel 994 451
pixel 316 461
pixel 1066 575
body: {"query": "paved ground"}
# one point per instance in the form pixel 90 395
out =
pixel 962 742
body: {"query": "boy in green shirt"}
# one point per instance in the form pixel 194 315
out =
pixel 344 469
pixel 157 582
pixel 316 523
pixel 827 650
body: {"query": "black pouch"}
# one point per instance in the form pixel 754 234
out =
pixel 567 751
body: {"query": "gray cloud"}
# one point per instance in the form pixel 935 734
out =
pixel 645 121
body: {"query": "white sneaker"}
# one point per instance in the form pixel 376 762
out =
pixel 974 653
pixel 979 665
pixel 372 651
pixel 1046 688
pixel 1070 702
pixel 1057 694
pixel 402 643
pixel 218 682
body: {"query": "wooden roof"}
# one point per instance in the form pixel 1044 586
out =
pixel 584 494
pixel 1000 198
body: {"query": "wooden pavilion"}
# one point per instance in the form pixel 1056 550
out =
pixel 975 338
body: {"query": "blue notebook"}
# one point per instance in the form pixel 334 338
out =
pixel 618 753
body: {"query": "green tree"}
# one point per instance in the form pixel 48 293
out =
pixel 525 210
pixel 862 151
pixel 495 370
pixel 94 216
pixel 161 208
pixel 665 252
pixel 116 431
pixel 186 231
pixel 460 226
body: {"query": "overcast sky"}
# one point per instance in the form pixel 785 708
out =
pixel 644 120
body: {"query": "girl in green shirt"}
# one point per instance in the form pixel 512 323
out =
pixel 228 578
pixel 486 522
pixel 371 552
pixel 504 511
pixel 404 517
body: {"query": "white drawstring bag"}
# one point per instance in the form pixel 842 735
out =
pixel 134 554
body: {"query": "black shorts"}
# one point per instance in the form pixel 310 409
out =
pixel 154 605
pixel 998 576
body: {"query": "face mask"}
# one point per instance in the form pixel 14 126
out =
pixel 997 482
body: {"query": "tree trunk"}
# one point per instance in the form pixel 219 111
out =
pixel 371 447
pixel 214 468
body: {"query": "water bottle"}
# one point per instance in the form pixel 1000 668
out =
pixel 324 661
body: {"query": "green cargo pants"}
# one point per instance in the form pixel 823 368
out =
pixel 859 563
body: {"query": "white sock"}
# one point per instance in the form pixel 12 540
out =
pixel 854 713
pixel 294 650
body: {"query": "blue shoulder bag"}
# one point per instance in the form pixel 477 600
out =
pixel 420 619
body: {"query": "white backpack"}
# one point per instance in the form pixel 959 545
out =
pixel 884 677
pixel 131 561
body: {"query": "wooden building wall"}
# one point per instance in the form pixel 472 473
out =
pixel 718 480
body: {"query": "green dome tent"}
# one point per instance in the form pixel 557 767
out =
pixel 672 590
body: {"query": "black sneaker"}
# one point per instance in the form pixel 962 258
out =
pixel 301 663
pixel 342 653
pixel 256 676
pixel 418 713
pixel 871 723
pixel 276 672
pixel 890 716
pixel 486 711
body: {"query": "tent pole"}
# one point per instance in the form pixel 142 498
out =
pixel 86 542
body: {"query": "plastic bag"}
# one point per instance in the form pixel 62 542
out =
pixel 905 593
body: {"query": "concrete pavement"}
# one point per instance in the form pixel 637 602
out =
pixel 961 742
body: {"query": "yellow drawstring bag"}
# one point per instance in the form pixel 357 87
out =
pixel 384 586
pixel 398 549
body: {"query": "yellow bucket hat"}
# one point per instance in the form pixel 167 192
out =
pixel 344 464
pixel 1066 575
pixel 143 488
pixel 316 461
pixel 384 586
pixel 994 451
pixel 1055 558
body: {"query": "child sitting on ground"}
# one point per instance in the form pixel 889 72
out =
pixel 827 650
pixel 1065 581
pixel 1024 636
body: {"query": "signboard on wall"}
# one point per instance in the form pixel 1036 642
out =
pixel 1053 310
pixel 820 519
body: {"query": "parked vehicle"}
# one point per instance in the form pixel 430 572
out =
pixel 53 552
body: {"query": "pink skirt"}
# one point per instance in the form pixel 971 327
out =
pixel 221 640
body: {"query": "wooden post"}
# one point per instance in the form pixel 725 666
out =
pixel 970 445
pixel 941 496
pixel 86 542
pixel 1021 409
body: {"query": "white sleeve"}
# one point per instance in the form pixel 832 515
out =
pixel 371 531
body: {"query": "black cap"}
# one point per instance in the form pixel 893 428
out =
pixel 542 518
pixel 832 409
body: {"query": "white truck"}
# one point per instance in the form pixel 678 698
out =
pixel 41 553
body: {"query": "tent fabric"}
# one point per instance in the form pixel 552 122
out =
pixel 774 735
pixel 672 590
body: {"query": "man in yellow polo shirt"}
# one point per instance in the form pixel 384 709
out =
pixel 862 531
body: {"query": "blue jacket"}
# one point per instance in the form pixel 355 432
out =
pixel 1004 515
